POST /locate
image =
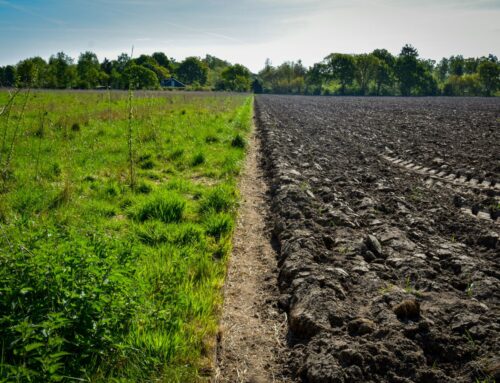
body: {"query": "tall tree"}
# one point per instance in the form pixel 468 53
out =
pixel 341 67
pixel 192 70
pixel 89 70
pixel 366 66
pixel 489 76
pixel 407 70
pixel 62 73
pixel 457 65
pixel 315 78
pixel 139 77
pixel 31 72
pixel 236 78
pixel 8 78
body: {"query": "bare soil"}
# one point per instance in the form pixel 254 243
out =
pixel 385 213
pixel 252 344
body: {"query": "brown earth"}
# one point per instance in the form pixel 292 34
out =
pixel 253 330
pixel 385 215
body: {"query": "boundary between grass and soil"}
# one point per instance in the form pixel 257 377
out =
pixel 252 336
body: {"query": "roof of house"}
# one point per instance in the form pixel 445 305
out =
pixel 172 82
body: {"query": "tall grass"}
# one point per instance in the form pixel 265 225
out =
pixel 101 282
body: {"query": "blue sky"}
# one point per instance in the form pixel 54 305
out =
pixel 247 31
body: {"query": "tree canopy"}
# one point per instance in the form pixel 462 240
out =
pixel 377 73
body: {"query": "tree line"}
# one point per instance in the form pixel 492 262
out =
pixel 378 73
pixel 144 72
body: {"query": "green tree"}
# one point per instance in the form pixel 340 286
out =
pixel 8 76
pixel 122 62
pixel 31 72
pixel 341 67
pixel 470 65
pixel 267 74
pixel 192 70
pixel 61 72
pixel 384 70
pixel 107 66
pixel 257 87
pixel 407 69
pixel 139 77
pixel 457 65
pixel 442 69
pixel 89 70
pixel 489 76
pixel 366 68
pixel 315 78
pixel 163 61
pixel 236 78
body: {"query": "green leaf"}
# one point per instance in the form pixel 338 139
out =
pixel 33 346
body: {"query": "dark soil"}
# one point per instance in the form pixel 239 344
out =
pixel 384 216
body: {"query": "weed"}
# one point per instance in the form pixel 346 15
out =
pixel 238 141
pixel 198 159
pixel 387 288
pixel 219 199
pixel 163 206
pixel 86 292
pixel 211 139
pixel 470 339
pixel 144 187
pixel 409 289
pixel 470 290
pixel 218 225
pixel 176 154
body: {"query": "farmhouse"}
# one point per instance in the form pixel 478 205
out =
pixel 172 83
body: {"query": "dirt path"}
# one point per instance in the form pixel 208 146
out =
pixel 251 345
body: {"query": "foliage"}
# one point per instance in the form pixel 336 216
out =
pixel 376 73
pixel 489 76
pixel 192 70
pixel 341 67
pixel 235 78
pixel 89 70
pixel 100 282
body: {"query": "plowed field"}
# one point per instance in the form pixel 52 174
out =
pixel 386 217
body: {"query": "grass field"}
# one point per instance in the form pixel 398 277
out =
pixel 115 225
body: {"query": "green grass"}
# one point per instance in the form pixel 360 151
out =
pixel 99 281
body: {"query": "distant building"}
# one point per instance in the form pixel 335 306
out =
pixel 172 83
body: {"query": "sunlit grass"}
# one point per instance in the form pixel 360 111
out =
pixel 100 281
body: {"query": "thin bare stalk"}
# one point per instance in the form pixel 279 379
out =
pixel 130 131
pixel 6 112
pixel 16 132
pixel 37 164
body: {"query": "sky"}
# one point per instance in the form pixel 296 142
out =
pixel 247 31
